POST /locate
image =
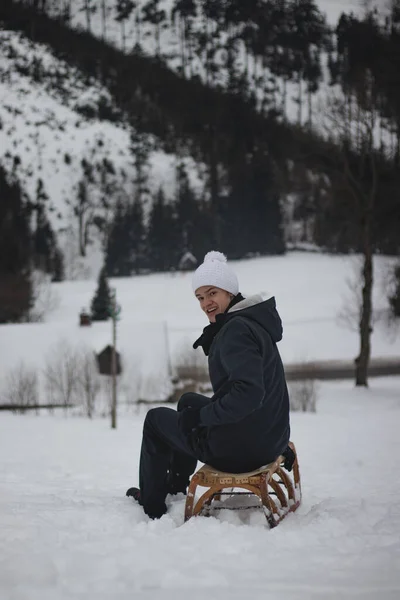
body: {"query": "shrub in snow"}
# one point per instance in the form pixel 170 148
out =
pixel 21 387
pixel 303 395
pixel 72 378
pixel 61 375
pixel 88 380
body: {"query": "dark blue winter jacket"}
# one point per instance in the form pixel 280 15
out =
pixel 247 421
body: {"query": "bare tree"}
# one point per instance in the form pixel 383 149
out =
pixel 88 380
pixel 21 387
pixel 89 8
pixel 303 395
pixel 352 162
pixel 350 312
pixel 61 375
pixel 124 10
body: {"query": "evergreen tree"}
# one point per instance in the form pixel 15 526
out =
pixel 140 149
pixel 308 39
pixel 46 256
pixel 117 260
pixel 58 272
pixel 257 228
pixel 100 307
pixel 136 237
pixel 186 207
pixel 16 296
pixel 126 243
pixel 194 218
pixel 164 240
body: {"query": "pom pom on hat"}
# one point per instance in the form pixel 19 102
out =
pixel 215 255
pixel 215 271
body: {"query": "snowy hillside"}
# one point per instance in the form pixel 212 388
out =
pixel 51 120
pixel 102 21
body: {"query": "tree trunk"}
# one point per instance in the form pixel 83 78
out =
pixel 158 39
pixel 188 40
pixel 88 22
pixel 300 99
pixel 104 19
pixel 207 59
pixel 123 36
pixel 284 98
pixel 81 235
pixel 310 109
pixel 365 328
pixel 137 24
pixel 182 39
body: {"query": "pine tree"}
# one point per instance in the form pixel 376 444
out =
pixel 164 240
pixel 101 302
pixel 194 218
pixel 134 225
pixel 117 259
pixel 259 228
pixel 16 296
pixel 58 272
pixel 126 244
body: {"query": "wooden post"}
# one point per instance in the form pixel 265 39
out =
pixel 114 359
pixel 166 338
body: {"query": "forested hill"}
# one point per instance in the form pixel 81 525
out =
pixel 224 97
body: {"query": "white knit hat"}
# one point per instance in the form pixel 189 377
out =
pixel 215 271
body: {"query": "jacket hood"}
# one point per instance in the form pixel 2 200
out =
pixel 262 311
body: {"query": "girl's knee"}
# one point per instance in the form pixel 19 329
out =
pixel 184 401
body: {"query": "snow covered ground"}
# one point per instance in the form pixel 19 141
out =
pixel 160 318
pixel 68 531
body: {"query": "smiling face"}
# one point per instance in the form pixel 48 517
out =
pixel 213 300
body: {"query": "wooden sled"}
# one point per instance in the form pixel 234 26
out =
pixel 278 490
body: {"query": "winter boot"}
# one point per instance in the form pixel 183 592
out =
pixel 134 492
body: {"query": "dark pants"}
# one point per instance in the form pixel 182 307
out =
pixel 166 459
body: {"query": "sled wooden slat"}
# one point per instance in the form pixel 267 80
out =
pixel 278 490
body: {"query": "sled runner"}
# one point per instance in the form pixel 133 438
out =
pixel 276 485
